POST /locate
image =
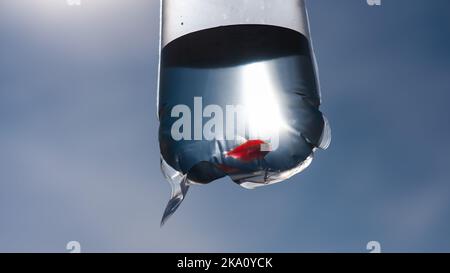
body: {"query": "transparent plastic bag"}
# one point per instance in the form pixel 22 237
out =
pixel 238 93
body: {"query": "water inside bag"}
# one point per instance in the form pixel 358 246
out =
pixel 207 77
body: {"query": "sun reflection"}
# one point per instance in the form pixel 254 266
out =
pixel 264 118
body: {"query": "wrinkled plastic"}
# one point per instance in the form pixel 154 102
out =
pixel 209 71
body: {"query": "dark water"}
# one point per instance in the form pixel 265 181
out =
pixel 266 67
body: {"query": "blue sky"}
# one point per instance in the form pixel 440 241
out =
pixel 79 157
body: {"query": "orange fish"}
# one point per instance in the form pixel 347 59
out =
pixel 249 151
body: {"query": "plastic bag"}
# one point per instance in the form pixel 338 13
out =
pixel 238 93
